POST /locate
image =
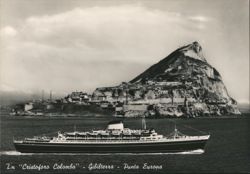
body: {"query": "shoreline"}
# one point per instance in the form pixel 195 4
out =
pixel 244 115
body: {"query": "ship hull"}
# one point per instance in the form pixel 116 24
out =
pixel 154 147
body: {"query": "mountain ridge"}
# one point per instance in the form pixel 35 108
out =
pixel 195 46
pixel 181 84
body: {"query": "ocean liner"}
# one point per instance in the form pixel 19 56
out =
pixel 115 139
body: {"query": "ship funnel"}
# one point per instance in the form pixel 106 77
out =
pixel 115 125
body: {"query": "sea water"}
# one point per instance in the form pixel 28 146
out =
pixel 227 150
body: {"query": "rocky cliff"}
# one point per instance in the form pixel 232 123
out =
pixel 182 84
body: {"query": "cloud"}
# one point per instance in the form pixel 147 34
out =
pixel 8 31
pixel 91 47
pixel 199 18
pixel 106 30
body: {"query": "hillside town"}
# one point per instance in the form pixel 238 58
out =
pixel 152 99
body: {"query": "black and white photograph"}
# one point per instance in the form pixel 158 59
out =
pixel 124 86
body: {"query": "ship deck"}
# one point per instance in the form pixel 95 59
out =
pixel 118 141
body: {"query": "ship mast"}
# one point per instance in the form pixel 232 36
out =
pixel 175 131
pixel 143 122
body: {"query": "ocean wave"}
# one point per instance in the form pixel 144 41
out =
pixel 198 151
pixel 15 153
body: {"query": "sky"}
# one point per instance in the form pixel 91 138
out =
pixel 75 45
